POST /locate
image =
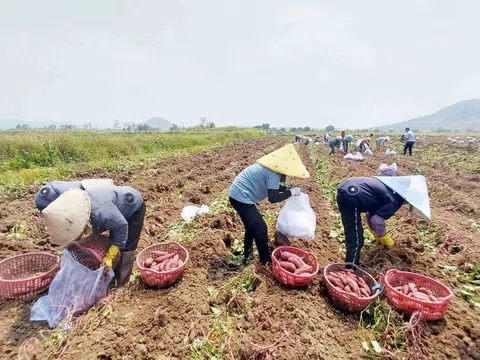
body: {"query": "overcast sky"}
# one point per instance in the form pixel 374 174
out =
pixel 288 63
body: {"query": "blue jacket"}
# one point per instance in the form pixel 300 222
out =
pixel 112 206
pixel 51 191
pixel 372 196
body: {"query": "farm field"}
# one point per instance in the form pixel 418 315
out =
pixel 244 313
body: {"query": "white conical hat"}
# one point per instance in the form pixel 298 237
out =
pixel 68 216
pixel 413 189
pixel 89 183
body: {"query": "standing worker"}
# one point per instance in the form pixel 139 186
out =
pixel 257 182
pixel 346 141
pixel 380 197
pixel 117 209
pixel 410 141
pixel 381 141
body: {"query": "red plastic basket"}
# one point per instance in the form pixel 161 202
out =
pixel 27 275
pixel 164 278
pixel 287 277
pixel 91 250
pixel 430 310
pixel 344 300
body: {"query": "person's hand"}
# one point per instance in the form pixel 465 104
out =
pixel 295 191
pixel 386 240
pixel 108 259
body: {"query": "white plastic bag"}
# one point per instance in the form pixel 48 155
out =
pixel 389 152
pixel 73 291
pixel 297 219
pixel 356 157
pixel 386 170
pixel 190 211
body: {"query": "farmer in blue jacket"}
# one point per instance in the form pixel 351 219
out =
pixel 380 197
pixel 51 191
pixel 257 182
pixel 117 209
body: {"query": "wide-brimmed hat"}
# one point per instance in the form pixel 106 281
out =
pixel 67 217
pixel 285 161
pixel 89 183
pixel 413 189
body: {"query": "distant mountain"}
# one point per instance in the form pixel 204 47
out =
pixel 159 123
pixel 462 116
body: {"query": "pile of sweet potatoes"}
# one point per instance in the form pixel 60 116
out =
pixel 163 261
pixel 419 293
pixel 348 281
pixel 294 264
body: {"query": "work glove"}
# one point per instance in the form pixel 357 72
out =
pixel 386 240
pixel 108 259
pixel 295 191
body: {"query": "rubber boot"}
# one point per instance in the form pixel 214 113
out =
pixel 124 268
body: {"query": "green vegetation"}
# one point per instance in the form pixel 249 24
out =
pixel 36 157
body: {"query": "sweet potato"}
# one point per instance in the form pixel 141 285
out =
pixel 148 263
pixel 179 263
pixel 353 284
pixel 405 289
pixel 343 279
pixel 347 289
pixel 333 273
pixel 162 265
pixel 159 259
pixel 303 269
pixel 432 298
pixel 296 261
pixel 174 264
pixel 335 281
pixel 157 253
pixel 176 257
pixel 420 296
pixel 287 265
pixel 286 254
pixel 364 292
pixel 412 287
pixel 168 265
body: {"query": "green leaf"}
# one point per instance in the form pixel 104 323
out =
pixel 212 291
pixel 365 346
pixel 448 267
pixel 376 346
pixel 215 311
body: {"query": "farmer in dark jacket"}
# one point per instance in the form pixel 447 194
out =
pixel 51 191
pixel 262 180
pixel 379 197
pixel 117 209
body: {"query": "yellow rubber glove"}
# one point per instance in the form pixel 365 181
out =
pixel 111 255
pixel 386 240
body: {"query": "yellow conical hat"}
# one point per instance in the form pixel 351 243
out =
pixel 285 161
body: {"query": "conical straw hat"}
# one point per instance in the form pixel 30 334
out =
pixel 285 161
pixel 67 217
pixel 89 183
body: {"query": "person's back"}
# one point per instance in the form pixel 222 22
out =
pixel 252 184
pixel 410 136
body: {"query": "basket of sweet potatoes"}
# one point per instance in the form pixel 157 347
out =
pixel 410 292
pixel 293 266
pixel 350 288
pixel 162 265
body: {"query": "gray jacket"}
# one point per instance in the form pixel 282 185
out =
pixel 51 191
pixel 112 206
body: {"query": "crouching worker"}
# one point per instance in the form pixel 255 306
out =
pixel 117 209
pixel 264 179
pixel 380 197
pixel 334 144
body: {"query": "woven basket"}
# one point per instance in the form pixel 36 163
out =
pixel 344 300
pixel 430 310
pixel 27 275
pixel 91 250
pixel 288 278
pixel 164 278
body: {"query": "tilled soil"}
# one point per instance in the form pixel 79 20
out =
pixel 152 324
